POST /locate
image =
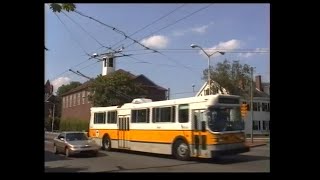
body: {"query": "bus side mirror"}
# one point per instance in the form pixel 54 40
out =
pixel 203 126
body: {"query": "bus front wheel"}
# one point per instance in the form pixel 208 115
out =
pixel 181 150
pixel 106 143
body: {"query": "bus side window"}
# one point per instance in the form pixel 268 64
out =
pixel 183 113
pixel 195 122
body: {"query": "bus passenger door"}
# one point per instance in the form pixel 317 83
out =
pixel 198 133
pixel 123 132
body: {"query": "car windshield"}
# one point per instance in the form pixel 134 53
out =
pixel 225 119
pixel 76 137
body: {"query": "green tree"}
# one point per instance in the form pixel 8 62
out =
pixel 234 77
pixel 65 88
pixel 114 89
pixel 58 7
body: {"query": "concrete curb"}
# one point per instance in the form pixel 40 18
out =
pixel 256 145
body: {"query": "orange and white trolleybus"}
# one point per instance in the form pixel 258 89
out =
pixel 203 127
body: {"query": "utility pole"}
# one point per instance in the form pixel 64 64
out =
pixel 52 123
pixel 251 104
pixel 208 55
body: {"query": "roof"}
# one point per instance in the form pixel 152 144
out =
pixel 205 85
pixel 50 98
pixel 47 83
pixel 87 84
pixel 126 72
pixel 149 83
pixel 258 93
pixel 79 88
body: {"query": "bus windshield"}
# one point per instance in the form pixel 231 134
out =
pixel 225 119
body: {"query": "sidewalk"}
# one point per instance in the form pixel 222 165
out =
pixel 257 142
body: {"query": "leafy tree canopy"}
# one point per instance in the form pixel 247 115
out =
pixel 65 88
pixel 58 7
pixel 114 89
pixel 234 77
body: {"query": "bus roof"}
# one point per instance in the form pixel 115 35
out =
pixel 209 98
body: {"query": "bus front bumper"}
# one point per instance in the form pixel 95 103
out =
pixel 228 149
pixel 215 153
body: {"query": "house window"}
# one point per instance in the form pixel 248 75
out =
pixel 83 96
pixel 265 125
pixel 265 107
pixel 206 92
pixel 166 114
pixel 74 99
pixel 70 100
pixel 112 117
pixel 140 116
pixel 183 113
pixel 256 125
pixel 259 106
pixel 78 99
pixel 255 106
pixel 88 94
pixel 99 118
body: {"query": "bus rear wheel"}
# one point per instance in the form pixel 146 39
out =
pixel 106 143
pixel 181 150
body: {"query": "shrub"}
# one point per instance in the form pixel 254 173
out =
pixel 73 124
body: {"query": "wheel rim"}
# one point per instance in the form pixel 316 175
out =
pixel 106 143
pixel 182 150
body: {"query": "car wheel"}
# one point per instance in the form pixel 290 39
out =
pixel 181 150
pixel 67 152
pixel 55 151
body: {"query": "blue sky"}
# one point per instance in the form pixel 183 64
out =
pixel 241 30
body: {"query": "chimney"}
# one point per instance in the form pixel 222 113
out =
pixel 258 83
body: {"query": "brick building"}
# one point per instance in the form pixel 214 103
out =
pixel 75 103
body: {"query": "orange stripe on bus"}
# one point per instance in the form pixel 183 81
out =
pixel 166 136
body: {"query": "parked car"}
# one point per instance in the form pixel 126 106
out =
pixel 74 142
